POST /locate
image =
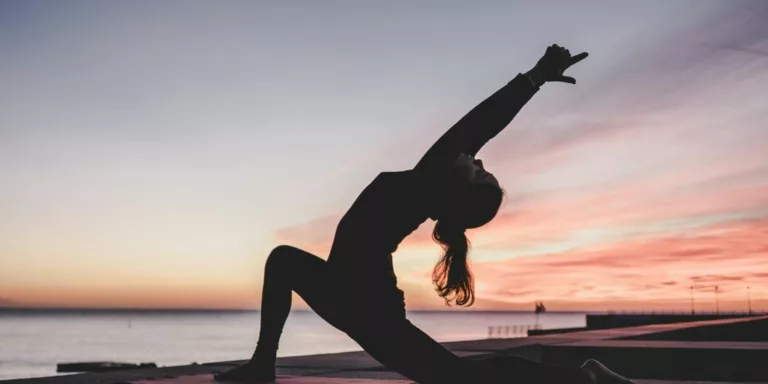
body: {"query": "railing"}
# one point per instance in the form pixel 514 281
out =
pixel 678 313
pixel 510 331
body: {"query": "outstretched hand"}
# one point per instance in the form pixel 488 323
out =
pixel 552 65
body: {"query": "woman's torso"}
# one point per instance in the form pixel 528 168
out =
pixel 390 208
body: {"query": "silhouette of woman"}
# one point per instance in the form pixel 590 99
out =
pixel 356 289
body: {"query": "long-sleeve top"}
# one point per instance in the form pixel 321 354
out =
pixel 395 204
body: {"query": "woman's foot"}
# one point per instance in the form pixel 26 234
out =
pixel 250 372
pixel 600 374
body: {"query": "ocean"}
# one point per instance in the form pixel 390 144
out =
pixel 32 343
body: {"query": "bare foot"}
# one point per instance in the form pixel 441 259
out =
pixel 600 374
pixel 249 372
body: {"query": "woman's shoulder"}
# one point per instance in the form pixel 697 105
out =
pixel 413 181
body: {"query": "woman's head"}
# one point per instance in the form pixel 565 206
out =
pixel 471 198
pixel 470 169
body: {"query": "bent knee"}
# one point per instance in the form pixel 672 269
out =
pixel 281 256
pixel 283 250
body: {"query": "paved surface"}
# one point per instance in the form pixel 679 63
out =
pixel 208 379
pixel 721 345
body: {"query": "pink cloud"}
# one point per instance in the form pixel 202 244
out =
pixel 657 271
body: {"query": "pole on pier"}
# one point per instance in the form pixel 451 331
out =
pixel 692 310
pixel 717 299
pixel 749 302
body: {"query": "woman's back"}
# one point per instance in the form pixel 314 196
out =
pixel 390 208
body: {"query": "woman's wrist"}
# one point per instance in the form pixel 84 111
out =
pixel 536 77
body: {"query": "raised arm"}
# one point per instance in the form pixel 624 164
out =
pixel 491 116
pixel 481 124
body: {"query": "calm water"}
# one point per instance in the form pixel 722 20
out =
pixel 32 343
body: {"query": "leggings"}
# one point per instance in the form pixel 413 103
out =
pixel 386 335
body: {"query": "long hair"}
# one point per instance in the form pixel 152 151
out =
pixel 451 276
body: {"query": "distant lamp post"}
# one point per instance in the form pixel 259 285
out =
pixel 749 302
pixel 692 310
pixel 717 299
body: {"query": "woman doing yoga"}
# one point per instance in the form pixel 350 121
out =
pixel 356 289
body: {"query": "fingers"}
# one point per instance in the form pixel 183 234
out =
pixel 562 50
pixel 565 79
pixel 560 59
pixel 555 49
pixel 577 58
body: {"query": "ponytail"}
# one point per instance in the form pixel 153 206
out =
pixel 451 276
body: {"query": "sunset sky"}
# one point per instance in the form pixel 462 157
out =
pixel 153 153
